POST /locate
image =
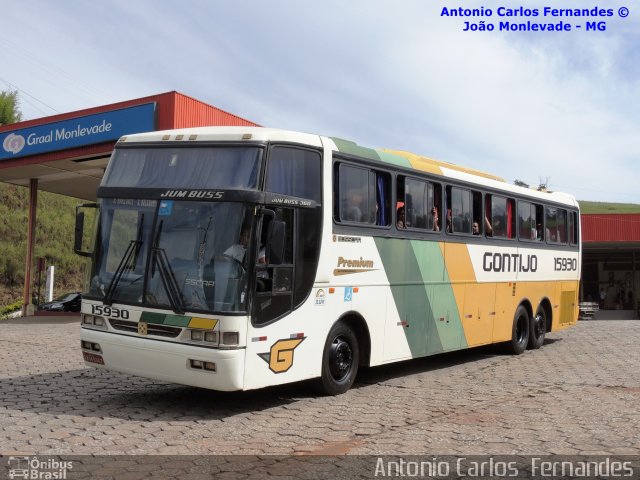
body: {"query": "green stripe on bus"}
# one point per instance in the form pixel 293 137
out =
pixel 422 294
pixel 441 297
pixel 410 294
pixel 177 321
pixel 352 148
pixel 152 317
pixel 395 159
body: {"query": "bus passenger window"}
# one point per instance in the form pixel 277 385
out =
pixel 502 221
pixel 383 199
pixel 556 225
pixel 419 205
pixel 363 196
pixel 459 212
pixel 573 228
pixel 530 222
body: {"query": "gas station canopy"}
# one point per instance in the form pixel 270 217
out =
pixel 68 153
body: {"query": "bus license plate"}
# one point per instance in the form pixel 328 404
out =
pixel 92 358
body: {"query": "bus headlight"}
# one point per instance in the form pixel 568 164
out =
pixel 206 336
pixel 94 321
pixel 215 338
pixel 211 337
pixel 230 338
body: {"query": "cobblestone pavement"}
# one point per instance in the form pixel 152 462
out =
pixel 579 394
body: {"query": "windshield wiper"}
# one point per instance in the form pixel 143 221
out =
pixel 127 263
pixel 159 258
pixel 203 246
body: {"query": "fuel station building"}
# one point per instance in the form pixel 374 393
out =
pixel 68 153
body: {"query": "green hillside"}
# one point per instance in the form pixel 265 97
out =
pixel 602 207
pixel 54 241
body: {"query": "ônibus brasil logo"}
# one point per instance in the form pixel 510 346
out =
pixel 13 143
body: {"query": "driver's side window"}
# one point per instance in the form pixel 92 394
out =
pixel 274 266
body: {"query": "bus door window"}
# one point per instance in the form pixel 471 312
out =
pixel 274 266
pixel 275 246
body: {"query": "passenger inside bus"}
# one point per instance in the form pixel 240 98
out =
pixel 353 210
pixel 487 227
pixel 436 221
pixel 400 218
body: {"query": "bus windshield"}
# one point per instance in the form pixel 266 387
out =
pixel 183 255
pixel 184 167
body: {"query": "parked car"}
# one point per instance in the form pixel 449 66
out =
pixel 69 302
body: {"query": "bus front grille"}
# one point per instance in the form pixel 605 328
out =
pixel 152 329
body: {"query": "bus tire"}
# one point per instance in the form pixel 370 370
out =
pixel 519 332
pixel 339 360
pixel 537 329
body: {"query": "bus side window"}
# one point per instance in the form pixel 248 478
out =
pixel 573 228
pixel 459 210
pixel 502 216
pixel 383 199
pixel 364 195
pixel 551 224
pixel 418 199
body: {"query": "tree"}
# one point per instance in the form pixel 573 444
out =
pixel 9 109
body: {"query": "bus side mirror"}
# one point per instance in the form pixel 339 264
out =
pixel 79 230
pixel 275 242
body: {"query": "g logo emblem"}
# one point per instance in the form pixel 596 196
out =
pixel 280 357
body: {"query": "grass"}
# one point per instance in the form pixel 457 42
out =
pixel 601 207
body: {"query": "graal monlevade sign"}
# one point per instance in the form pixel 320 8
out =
pixel 76 132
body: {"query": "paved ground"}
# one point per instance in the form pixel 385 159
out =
pixel 579 394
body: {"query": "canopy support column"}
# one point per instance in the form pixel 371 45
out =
pixel 28 308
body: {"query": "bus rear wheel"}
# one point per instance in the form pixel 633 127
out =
pixel 538 329
pixel 339 360
pixel 520 332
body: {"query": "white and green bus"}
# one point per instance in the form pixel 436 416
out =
pixel 235 258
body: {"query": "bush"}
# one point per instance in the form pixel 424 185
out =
pixel 4 311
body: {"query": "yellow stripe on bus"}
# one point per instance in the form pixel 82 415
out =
pixel 203 323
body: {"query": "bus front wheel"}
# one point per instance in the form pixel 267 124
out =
pixel 339 360
pixel 520 332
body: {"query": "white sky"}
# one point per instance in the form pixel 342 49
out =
pixel 394 74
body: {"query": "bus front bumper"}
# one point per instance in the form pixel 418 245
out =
pixel 165 361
